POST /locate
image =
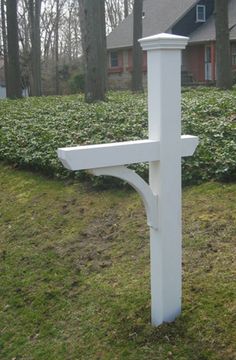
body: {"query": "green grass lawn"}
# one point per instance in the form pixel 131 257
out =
pixel 74 273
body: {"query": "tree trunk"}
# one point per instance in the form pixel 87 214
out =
pixel 126 8
pixel 92 19
pixel 4 40
pixel 34 16
pixel 69 37
pixel 13 74
pixel 57 48
pixel 223 59
pixel 137 51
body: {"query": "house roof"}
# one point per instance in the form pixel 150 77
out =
pixel 160 16
pixel 206 32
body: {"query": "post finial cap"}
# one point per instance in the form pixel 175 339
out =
pixel 164 41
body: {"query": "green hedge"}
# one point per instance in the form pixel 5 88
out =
pixel 210 114
pixel 32 129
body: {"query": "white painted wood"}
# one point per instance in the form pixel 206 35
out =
pixel 163 151
pixel 105 155
pixel 115 154
pixel 189 144
pixel 144 190
pixel 163 41
pixel 164 109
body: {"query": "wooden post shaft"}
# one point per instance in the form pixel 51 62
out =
pixel 164 108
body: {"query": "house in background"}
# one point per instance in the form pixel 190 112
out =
pixel 191 18
pixel 3 91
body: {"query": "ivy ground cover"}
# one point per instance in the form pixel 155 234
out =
pixel 32 129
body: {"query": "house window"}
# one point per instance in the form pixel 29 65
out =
pixel 114 59
pixel 233 54
pixel 201 13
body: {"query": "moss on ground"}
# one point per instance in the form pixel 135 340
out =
pixel 74 274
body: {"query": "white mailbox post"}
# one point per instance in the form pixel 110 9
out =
pixel 163 150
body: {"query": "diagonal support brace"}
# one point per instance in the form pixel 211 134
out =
pixel 144 190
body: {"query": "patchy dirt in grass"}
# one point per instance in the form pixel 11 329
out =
pixel 89 249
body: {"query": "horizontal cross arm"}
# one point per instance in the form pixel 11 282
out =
pixel 188 144
pixel 104 155
pixel 120 153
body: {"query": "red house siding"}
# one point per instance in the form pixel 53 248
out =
pixel 119 68
pixel 145 61
pixel 194 59
pixel 194 62
pixel 233 53
pixel 213 61
pixel 130 61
